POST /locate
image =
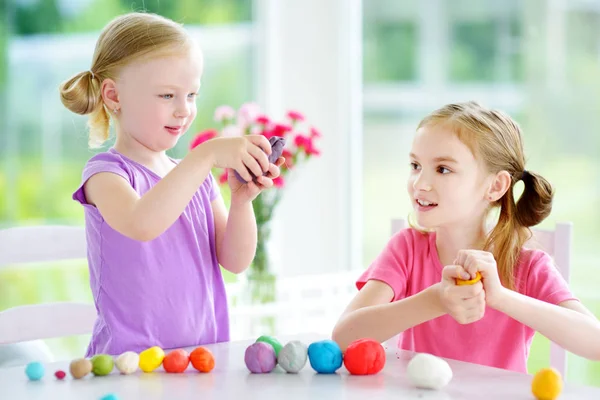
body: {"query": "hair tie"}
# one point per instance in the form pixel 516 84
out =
pixel 524 175
pixel 92 73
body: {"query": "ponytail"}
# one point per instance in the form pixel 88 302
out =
pixel 81 95
pixel 512 230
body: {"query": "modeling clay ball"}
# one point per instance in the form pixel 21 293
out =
pixel 272 341
pixel 325 356
pixel 202 359
pixel 176 361
pixel 292 357
pixel 151 358
pixel 462 282
pixel 546 384
pixel 110 396
pixel 60 375
pixel 102 364
pixel 260 358
pixel 80 368
pixel 277 144
pixel 34 371
pixel 127 363
pixel 364 357
pixel 428 371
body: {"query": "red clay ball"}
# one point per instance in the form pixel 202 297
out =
pixel 60 375
pixel 364 357
pixel 176 361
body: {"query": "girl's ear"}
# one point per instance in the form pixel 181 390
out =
pixel 110 95
pixel 499 186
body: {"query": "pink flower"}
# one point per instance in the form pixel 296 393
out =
pixel 306 143
pixel 278 182
pixel 281 129
pixel 314 132
pixel 295 116
pixel 247 114
pixel 224 114
pixel 262 120
pixel 203 137
pixel 223 177
pixel 300 140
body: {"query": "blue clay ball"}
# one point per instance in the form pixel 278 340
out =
pixel 325 356
pixel 34 371
pixel 110 396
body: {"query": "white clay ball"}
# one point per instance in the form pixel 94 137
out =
pixel 427 371
pixel 127 363
pixel 293 356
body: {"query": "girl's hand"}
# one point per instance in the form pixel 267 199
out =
pixel 474 261
pixel 245 192
pixel 466 304
pixel 242 153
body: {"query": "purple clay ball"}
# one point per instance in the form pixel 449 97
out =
pixel 260 358
pixel 277 145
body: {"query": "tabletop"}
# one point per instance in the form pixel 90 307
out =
pixel 230 379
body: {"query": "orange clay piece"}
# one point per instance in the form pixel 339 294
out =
pixel 202 359
pixel 462 282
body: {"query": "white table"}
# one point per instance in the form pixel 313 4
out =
pixel 231 380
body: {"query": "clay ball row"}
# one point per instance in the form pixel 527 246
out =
pixel 177 361
pixel 362 357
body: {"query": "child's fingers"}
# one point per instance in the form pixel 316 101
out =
pixel 453 272
pixel 273 172
pixel 280 161
pixel 264 182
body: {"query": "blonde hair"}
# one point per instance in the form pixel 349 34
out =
pixel 127 38
pixel 495 138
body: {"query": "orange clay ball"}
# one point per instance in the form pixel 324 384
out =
pixel 461 282
pixel 202 359
pixel 176 361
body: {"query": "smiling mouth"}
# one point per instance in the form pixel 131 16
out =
pixel 174 129
pixel 424 203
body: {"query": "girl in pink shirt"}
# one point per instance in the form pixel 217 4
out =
pixel 465 162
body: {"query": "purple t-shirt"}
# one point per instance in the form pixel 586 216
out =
pixel 167 292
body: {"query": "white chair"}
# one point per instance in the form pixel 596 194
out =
pixel 31 323
pixel 557 243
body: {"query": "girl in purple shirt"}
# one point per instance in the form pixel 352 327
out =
pixel 157 228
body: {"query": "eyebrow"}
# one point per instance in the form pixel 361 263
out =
pixel 437 159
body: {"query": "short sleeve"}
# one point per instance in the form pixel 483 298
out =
pixel 544 280
pixel 103 162
pixel 392 265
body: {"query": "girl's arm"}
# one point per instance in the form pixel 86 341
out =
pixel 570 324
pixel 236 235
pixel 371 315
pixel 145 218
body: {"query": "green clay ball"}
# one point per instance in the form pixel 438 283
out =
pixel 102 364
pixel 272 341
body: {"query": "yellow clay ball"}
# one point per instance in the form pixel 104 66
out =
pixel 461 282
pixel 151 358
pixel 546 384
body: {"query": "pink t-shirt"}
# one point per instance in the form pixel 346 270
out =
pixel 409 264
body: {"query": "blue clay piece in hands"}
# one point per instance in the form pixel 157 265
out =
pixel 325 356
pixel 34 371
pixel 277 145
